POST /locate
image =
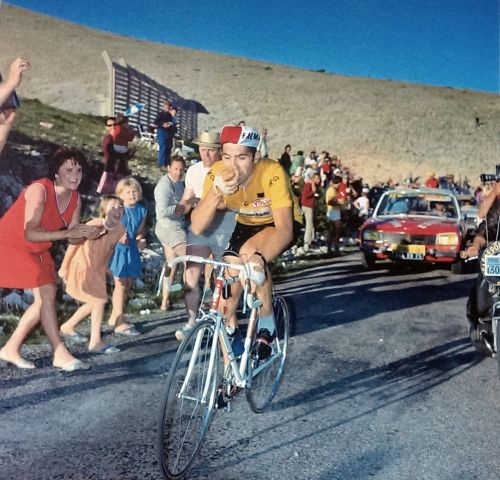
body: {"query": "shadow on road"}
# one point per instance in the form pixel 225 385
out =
pixel 343 292
pixel 373 389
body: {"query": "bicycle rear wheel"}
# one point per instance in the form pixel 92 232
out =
pixel 188 402
pixel 266 374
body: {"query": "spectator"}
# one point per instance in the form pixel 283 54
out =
pixel 116 153
pixel 333 216
pixel 164 137
pixel 448 183
pixel 84 273
pixel 311 160
pixel 362 204
pixel 211 242
pixel 297 163
pixel 125 264
pixel 285 160
pixel 123 134
pixel 432 181
pixel 309 200
pixel 107 182
pixel 170 222
pixel 262 148
pixel 7 87
pixel 27 231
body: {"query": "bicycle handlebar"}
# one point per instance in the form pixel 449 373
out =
pixel 203 260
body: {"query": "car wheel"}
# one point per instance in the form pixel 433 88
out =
pixel 368 261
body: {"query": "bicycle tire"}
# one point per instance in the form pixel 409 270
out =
pixel 265 384
pixel 184 420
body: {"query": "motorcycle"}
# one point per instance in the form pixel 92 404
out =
pixel 483 305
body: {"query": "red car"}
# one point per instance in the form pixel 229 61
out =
pixel 417 225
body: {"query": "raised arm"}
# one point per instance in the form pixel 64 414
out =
pixel 17 67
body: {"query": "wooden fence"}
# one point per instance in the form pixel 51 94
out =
pixel 129 86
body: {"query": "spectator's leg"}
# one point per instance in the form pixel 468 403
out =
pixel 96 317
pixel 308 234
pixel 191 285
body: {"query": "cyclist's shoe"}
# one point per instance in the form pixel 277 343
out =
pixel 183 332
pixel 263 343
pixel 237 345
pixel 220 401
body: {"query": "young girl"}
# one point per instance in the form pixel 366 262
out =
pixel 84 271
pixel 125 264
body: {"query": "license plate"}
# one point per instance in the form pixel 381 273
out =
pixel 411 252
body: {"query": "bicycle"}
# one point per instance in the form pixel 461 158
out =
pixel 195 386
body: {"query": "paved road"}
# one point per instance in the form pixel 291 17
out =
pixel 381 383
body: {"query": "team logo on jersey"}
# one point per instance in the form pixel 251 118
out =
pixel 261 202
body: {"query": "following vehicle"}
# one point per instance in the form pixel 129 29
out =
pixel 414 225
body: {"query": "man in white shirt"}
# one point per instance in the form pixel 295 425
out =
pixel 211 242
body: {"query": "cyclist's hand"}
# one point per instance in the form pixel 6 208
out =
pixel 227 181
pixel 254 272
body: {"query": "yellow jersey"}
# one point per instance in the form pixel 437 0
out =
pixel 269 188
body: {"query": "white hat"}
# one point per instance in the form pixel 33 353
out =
pixel 208 139
pixel 365 190
pixel 337 172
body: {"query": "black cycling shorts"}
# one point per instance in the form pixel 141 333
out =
pixel 242 233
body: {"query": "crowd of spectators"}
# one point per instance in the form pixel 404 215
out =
pixel 335 202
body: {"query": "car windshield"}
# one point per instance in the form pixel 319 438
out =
pixel 412 203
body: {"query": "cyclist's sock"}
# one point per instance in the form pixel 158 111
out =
pixel 267 323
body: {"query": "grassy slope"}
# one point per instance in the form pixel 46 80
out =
pixel 380 128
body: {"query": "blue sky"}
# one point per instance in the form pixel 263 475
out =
pixel 451 43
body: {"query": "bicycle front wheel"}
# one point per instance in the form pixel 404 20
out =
pixel 188 401
pixel 266 374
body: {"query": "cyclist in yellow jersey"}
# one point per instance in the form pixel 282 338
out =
pixel 268 218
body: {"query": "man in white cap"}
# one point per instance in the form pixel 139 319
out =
pixel 268 220
pixel 213 240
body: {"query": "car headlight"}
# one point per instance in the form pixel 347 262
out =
pixel 372 235
pixel 447 239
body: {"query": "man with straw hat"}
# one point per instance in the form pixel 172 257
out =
pixel 214 240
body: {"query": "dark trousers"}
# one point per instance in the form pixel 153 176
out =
pixel 165 143
pixel 479 303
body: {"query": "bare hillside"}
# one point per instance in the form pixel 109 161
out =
pixel 381 128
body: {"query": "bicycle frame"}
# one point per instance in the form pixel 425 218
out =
pixel 239 369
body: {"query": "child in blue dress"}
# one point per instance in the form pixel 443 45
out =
pixel 125 265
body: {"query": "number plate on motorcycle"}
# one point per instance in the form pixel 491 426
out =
pixel 411 252
pixel 492 266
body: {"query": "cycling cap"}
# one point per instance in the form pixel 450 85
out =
pixel 240 135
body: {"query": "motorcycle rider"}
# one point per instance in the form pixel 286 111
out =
pixel 479 303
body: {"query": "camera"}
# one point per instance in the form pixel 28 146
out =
pixel 11 102
pixel 491 177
